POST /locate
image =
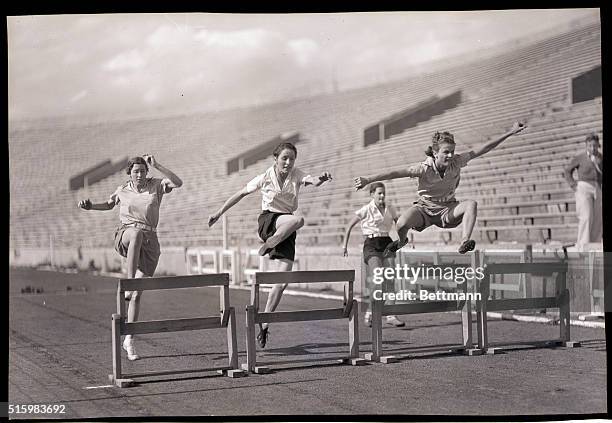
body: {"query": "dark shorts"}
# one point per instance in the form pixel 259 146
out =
pixel 149 251
pixel 267 227
pixel 375 247
pixel 436 213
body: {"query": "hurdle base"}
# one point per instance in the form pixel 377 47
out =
pixel 388 359
pixel 260 370
pixel 233 372
pixel 352 361
pixel 121 383
pixel 571 344
pixel 370 357
pixel 471 351
pixel 492 351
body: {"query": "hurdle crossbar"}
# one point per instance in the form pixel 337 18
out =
pixel 348 311
pixel 380 309
pixel 226 319
pixel 545 269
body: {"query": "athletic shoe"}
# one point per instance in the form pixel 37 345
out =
pixel 467 246
pixel 367 319
pixel 394 321
pixel 128 346
pixel 126 296
pixel 262 337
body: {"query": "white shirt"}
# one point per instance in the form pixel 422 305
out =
pixel 373 221
pixel 274 197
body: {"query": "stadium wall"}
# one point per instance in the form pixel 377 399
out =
pixel 173 262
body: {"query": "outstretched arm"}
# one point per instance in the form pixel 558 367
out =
pixel 516 128
pixel 88 205
pixel 173 181
pixel 347 233
pixel 317 180
pixel 362 181
pixel 231 202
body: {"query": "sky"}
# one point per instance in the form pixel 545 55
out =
pixel 153 64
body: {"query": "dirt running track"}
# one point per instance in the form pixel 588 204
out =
pixel 60 353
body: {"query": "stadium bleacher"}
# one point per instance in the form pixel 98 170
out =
pixel 519 186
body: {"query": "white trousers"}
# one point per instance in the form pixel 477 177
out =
pixel 588 209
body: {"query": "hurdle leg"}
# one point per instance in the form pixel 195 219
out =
pixel 481 313
pixel 116 334
pixel 564 313
pixel 116 378
pixel 377 348
pixel 466 324
pixel 466 313
pixel 232 352
pixel 354 335
pixel 250 339
pixel 231 339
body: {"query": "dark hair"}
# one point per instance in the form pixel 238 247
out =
pixel 592 137
pixel 375 185
pixel 282 146
pixel 136 160
pixel 437 139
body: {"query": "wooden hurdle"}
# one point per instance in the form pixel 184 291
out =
pixel 561 300
pixel 500 286
pixel 226 319
pixel 348 311
pixel 380 309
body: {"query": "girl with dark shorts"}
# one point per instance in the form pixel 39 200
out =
pixel 438 177
pixel 377 218
pixel 279 185
pixel 136 238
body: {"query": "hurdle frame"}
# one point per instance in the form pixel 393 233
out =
pixel 226 319
pixel 561 300
pixel 524 285
pixel 380 309
pixel 349 310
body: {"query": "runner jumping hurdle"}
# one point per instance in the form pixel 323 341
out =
pixel 226 319
pixel 348 311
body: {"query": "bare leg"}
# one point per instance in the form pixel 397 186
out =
pixel 389 286
pixel 285 226
pixel 409 220
pixel 132 239
pixel 373 262
pixel 275 295
pixel 468 210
